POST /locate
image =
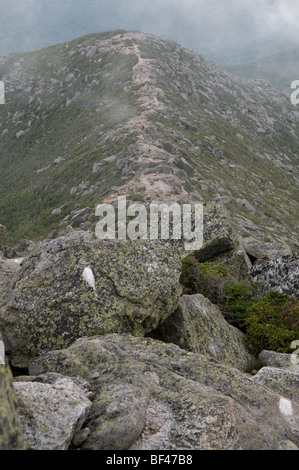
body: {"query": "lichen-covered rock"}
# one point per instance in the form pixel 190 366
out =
pixel 187 400
pixel 51 413
pixel 118 416
pixel 8 271
pixel 76 285
pixel 283 381
pixel 280 274
pixel 265 251
pixel 219 236
pixel 199 326
pixel 276 360
pixel 11 437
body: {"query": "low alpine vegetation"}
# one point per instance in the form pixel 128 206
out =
pixel 269 322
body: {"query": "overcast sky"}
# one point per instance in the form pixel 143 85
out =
pixel 208 26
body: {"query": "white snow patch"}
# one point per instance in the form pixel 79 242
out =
pixel 286 407
pixel 89 277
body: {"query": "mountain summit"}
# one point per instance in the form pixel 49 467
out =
pixel 125 113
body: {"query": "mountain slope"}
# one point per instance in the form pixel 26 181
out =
pixel 133 114
pixel 280 69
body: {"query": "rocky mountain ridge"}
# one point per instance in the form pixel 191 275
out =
pixel 102 344
pixel 137 115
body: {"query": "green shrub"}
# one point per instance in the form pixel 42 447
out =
pixel 205 279
pixel 238 297
pixel 272 323
pixel 269 322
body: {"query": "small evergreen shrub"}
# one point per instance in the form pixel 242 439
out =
pixel 269 322
pixel 239 296
pixel 205 279
pixel 272 323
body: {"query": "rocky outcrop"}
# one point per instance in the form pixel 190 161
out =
pixel 51 410
pixel 280 274
pixel 156 396
pixel 76 285
pixel 198 326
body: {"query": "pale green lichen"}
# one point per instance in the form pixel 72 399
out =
pixel 52 305
pixel 209 405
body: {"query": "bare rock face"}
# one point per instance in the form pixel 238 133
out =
pixel 155 396
pixel 76 286
pixel 198 326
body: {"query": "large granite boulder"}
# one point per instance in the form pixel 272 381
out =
pixel 156 396
pixel 51 411
pixel 76 286
pixel 219 236
pixel 199 326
